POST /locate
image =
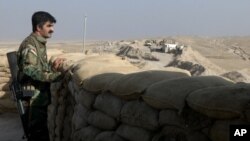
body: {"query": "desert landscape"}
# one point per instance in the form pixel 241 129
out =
pixel 228 57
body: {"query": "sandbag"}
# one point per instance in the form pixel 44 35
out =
pixel 85 98
pixel 223 102
pixel 132 133
pixel 108 136
pixel 171 117
pixel 92 66
pixel 174 133
pixel 4 69
pixel 3 61
pixel 137 113
pixel 66 129
pixel 5 74
pixel 4 86
pixel 80 117
pixel 101 121
pixel 89 133
pixel 186 136
pixel 98 83
pixel 5 94
pixel 132 85
pixel 172 93
pixel 5 80
pixel 220 130
pixel 109 104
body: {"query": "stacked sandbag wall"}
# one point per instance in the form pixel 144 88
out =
pixel 100 102
pixel 6 100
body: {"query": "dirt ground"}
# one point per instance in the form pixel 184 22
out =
pixel 10 127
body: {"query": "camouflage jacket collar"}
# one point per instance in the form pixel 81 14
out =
pixel 39 38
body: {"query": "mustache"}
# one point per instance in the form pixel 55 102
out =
pixel 51 31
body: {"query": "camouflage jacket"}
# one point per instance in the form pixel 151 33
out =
pixel 34 65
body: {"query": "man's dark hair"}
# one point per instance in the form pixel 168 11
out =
pixel 40 18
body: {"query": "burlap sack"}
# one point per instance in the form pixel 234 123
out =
pixel 98 83
pixel 195 121
pixel 51 120
pixel 172 93
pixel 171 117
pixel 223 102
pixel 78 122
pixel 137 113
pixel 71 59
pixel 89 67
pixel 89 133
pixel 109 104
pixel 4 69
pixel 5 94
pixel 3 61
pixel 132 85
pixel 60 114
pixel 66 129
pixel 85 98
pixel 4 86
pixel 101 121
pixel 220 130
pixel 80 117
pixel 132 133
pixel 5 80
pixel 71 87
pixel 108 136
pixel 4 74
pixel 172 133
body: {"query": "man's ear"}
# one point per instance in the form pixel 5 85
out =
pixel 38 28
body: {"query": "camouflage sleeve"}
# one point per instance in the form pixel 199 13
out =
pixel 31 68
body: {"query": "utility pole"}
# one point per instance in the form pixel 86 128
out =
pixel 84 32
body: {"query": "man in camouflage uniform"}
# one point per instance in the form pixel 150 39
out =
pixel 35 70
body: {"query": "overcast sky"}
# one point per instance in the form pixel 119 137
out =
pixel 128 19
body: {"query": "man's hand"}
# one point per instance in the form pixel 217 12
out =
pixel 57 63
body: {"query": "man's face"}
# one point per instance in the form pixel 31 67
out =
pixel 46 30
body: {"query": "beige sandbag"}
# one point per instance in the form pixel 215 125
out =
pixel 109 104
pixel 5 94
pixel 85 98
pixel 100 64
pixel 98 83
pixel 172 93
pixel 3 61
pixel 108 136
pixel 71 59
pixel 220 130
pixel 5 74
pixel 132 133
pixel 54 52
pixel 4 86
pixel 132 85
pixel 137 113
pixel 101 121
pixel 223 102
pixel 4 69
pixel 5 80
